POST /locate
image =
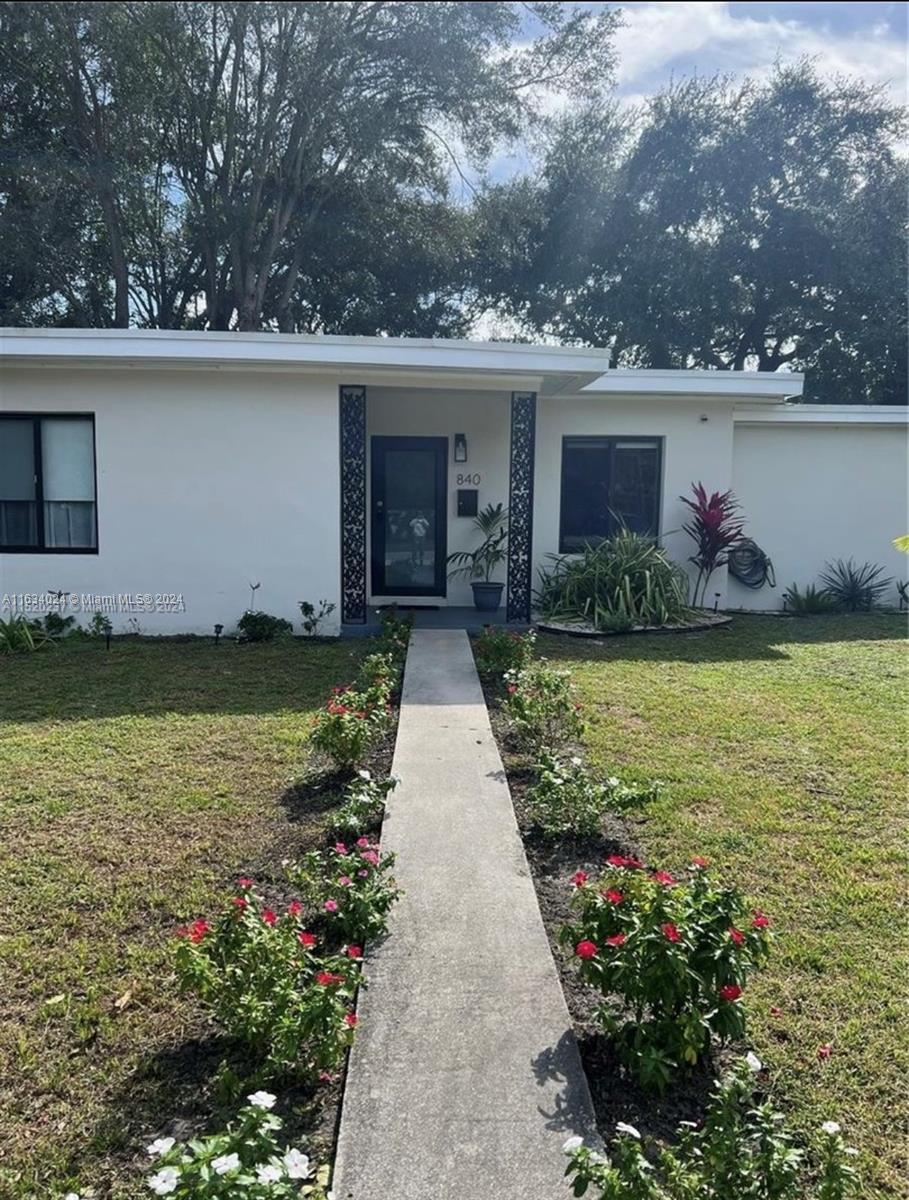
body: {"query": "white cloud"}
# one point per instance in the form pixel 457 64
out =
pixel 659 39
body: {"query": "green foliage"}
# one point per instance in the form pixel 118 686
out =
pixel 811 601
pixel 262 627
pixel 566 798
pixel 364 803
pixel 314 616
pixel 670 958
pixel 499 650
pixel 492 525
pixel 245 1160
pixel 396 631
pixel 352 887
pixel 854 588
pixel 541 708
pixel 347 727
pixel 267 987
pixel 18 635
pixel 742 1149
pixel 625 580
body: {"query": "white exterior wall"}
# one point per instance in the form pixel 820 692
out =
pixel 818 492
pixel 694 449
pixel 484 418
pixel 207 481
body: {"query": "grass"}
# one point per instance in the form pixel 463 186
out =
pixel 135 785
pixel 782 744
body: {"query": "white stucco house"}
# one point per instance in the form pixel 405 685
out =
pixel 157 475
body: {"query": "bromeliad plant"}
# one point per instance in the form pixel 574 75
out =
pixel 499 650
pixel 541 707
pixel 260 974
pixel 566 798
pixel 364 803
pixel 716 528
pixel 741 1150
pixel 352 886
pixel 245 1160
pixel 671 959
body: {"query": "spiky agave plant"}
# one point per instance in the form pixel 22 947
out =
pixel 715 527
pixel 854 588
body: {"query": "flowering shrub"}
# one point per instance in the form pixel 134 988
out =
pixel 364 802
pixel 396 631
pixel 260 974
pixel 540 705
pixel 499 650
pixel 672 957
pixel 378 675
pixel 348 725
pixel 567 799
pixel 740 1150
pixel 352 886
pixel 245 1160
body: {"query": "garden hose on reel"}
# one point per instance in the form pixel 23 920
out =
pixel 750 565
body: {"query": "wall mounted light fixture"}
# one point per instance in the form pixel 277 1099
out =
pixel 460 447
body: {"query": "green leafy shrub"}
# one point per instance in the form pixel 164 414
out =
pixel 21 636
pixel 499 650
pixel 57 626
pixel 378 676
pixel 811 601
pixel 670 958
pixel 260 975
pixel 541 707
pixel 262 627
pixel 348 725
pixel 567 799
pixel 352 886
pixel 364 802
pixel 624 581
pixel 313 616
pixel 245 1160
pixel 396 631
pixel 854 588
pixel 742 1149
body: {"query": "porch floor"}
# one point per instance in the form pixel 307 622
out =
pixel 453 617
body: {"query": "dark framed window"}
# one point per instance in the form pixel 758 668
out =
pixel 608 482
pixel 48 491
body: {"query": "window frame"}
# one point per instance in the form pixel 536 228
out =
pixel 609 441
pixel 36 418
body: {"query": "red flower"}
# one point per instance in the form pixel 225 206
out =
pixel 306 939
pixel 586 949
pixel 759 920
pixel 697 861
pixel 578 707
pixel 240 902
pixel 824 1052
pixel 775 1011
pixel 617 939
pixel 294 908
pixel 612 896
pixel 268 916
pixel 195 932
pixel 243 882
pixel 579 878
pixel 327 978
pixel 621 860
pixel 354 952
pixel 664 878
pixel 730 992
pixel 737 936
pixel 351 1019
pixel 336 709
pixel 671 932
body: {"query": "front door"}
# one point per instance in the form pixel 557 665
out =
pixel 409 515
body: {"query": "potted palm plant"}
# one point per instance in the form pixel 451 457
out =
pixel 479 564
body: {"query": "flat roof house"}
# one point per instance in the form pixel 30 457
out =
pixel 184 467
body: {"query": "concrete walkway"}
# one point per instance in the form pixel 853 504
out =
pixel 465 1078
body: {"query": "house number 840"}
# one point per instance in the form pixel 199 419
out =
pixel 469 479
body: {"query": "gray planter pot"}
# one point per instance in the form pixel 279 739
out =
pixel 487 596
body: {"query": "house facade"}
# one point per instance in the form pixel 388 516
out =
pixel 158 476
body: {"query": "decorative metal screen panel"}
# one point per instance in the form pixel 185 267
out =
pixel 353 505
pixel 520 505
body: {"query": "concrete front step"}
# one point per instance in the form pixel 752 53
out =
pixel 465 1078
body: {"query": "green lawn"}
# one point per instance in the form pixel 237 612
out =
pixel 782 744
pixel 135 785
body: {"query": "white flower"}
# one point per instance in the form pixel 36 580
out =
pixel 262 1100
pixel 226 1162
pixel 163 1182
pixel 269 1173
pixel 621 1127
pixel 71 1196
pixel 159 1146
pixel 364 774
pixel 612 782
pixel 573 1143
pixel 851 1151
pixel 832 1128
pixel 754 1063
pixel 576 762
pixel 297 1164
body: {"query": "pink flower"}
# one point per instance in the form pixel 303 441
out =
pixel 759 920
pixel 671 932
pixel 345 881
pixel 586 949
pixel 240 902
pixel 268 916
pixel 370 856
pixel 352 1020
pixel 245 883
pixel 364 843
pixel 579 878
pixel 294 908
pixel 776 1011
pixel 730 992
pixel 330 906
pixel 340 848
pixel 327 978
pixel 824 1052
pixel 664 878
pixel 354 951
pixel 306 939
pixel 622 860
pixel 737 936
pixel 613 896
pixel 362 874
pixel 617 939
